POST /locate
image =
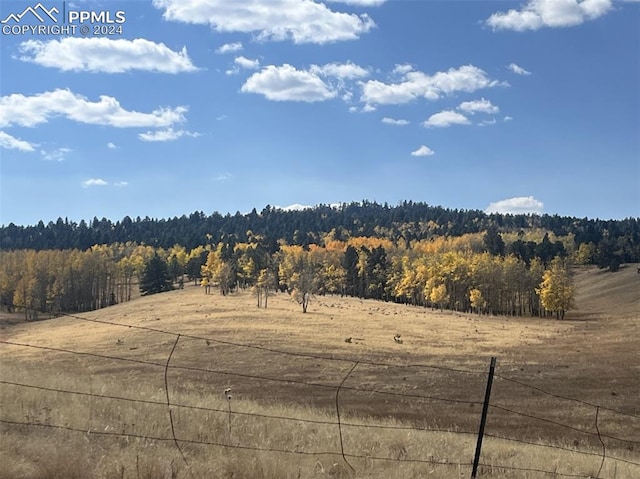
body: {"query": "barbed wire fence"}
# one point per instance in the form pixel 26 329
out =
pixel 591 434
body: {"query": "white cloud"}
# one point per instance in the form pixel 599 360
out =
pixel 446 118
pixel 478 106
pixel 230 47
pixel 487 122
pixel 343 71
pixel 247 63
pixel 537 14
pixel 112 146
pixel 415 84
pixel 166 135
pixel 518 70
pixel 243 62
pixel 55 155
pixel 423 151
pixel 368 108
pixel 392 121
pixel 101 54
pixel 401 69
pixel 299 21
pixel 360 3
pixel 18 109
pixel 121 184
pixel 286 83
pixel 294 207
pixel 518 205
pixel 507 118
pixel 9 142
pixel 223 177
pixel 94 182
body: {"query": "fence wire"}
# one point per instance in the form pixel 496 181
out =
pixel 340 423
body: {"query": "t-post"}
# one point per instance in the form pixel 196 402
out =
pixel 483 420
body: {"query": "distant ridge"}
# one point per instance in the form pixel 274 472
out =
pixel 402 224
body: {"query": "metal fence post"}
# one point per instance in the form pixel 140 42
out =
pixel 483 420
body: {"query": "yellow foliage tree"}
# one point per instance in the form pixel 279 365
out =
pixel 298 270
pixel 556 289
pixel 438 295
pixel 477 301
pixel 218 272
pixel 264 285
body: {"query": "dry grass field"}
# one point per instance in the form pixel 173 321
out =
pixel 86 396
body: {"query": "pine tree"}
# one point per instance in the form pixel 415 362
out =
pixel 155 277
pixel 493 242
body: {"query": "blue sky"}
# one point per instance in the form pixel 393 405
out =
pixel 167 107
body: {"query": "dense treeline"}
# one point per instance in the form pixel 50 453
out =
pixel 474 272
pixel 54 281
pixel 607 242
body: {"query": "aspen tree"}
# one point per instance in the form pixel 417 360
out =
pixel 556 289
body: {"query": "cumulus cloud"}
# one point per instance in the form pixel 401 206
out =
pixel 401 69
pixel 166 135
pixel 9 142
pixel 286 83
pixel 121 184
pixel 18 109
pixel 446 118
pixel 518 70
pixel 323 82
pixel 112 146
pixel 245 63
pixel 537 14
pixel 517 205
pixel 94 182
pixel 416 84
pixel 229 47
pixel 423 151
pixel 343 71
pixel 57 154
pixel 276 20
pixel 478 106
pixel 392 121
pixel 101 54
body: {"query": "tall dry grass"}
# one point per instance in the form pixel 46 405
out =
pixel 248 442
pixel 119 439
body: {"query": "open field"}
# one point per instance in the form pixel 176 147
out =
pixel 420 400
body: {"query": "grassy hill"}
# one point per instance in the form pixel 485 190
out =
pixel 602 293
pixel 410 409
